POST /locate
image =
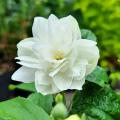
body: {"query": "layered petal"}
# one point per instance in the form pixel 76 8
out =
pixel 25 47
pixel 26 54
pixel 77 84
pixel 44 83
pixel 40 29
pixel 87 50
pixel 79 69
pixel 70 23
pixel 24 74
pixel 62 80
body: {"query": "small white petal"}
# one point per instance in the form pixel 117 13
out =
pixel 79 69
pixel 46 89
pixel 52 18
pixel 24 74
pixel 28 59
pixel 42 78
pixel 44 83
pixel 88 43
pixel 55 71
pixel 77 84
pixel 40 28
pixel 30 64
pixel 53 29
pixel 87 50
pixel 91 66
pixel 70 23
pixel 62 80
pixel 25 47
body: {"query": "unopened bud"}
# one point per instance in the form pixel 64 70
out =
pixel 11 87
pixel 59 111
pixel 73 117
pixel 59 98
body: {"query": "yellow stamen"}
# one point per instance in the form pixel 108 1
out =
pixel 58 55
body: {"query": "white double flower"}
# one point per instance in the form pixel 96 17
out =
pixel 56 58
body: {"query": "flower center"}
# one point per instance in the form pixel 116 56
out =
pixel 58 55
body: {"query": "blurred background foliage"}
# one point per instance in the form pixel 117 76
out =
pixel 102 17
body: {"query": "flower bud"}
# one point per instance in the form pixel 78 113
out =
pixel 59 98
pixel 11 87
pixel 60 111
pixel 73 117
pixel 83 116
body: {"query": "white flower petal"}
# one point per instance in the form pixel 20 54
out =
pixel 40 28
pixel 42 78
pixel 88 43
pixel 30 64
pixel 87 50
pixel 28 59
pixel 46 89
pixel 25 47
pixel 91 66
pixel 24 74
pixel 70 23
pixel 79 69
pixel 53 28
pixel 55 71
pixel 43 51
pixel 62 80
pixel 44 83
pixel 77 84
pixel 52 18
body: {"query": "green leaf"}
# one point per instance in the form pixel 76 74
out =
pixel 26 86
pixel 88 34
pixel 21 109
pixel 98 76
pixel 43 101
pixel 97 103
pixel 1 118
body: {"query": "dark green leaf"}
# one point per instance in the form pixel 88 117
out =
pixel 88 34
pixel 96 102
pixel 43 101
pixel 21 109
pixel 98 76
pixel 26 86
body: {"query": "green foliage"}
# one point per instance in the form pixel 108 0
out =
pixel 115 79
pixel 44 102
pixel 103 19
pixel 26 86
pixel 87 34
pixel 21 109
pixel 98 76
pixel 97 103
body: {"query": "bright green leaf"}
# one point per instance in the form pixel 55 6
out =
pixel 22 109
pixel 1 118
pixel 43 101
pixel 98 76
pixel 26 86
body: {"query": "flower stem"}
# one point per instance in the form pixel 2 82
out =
pixel 68 99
